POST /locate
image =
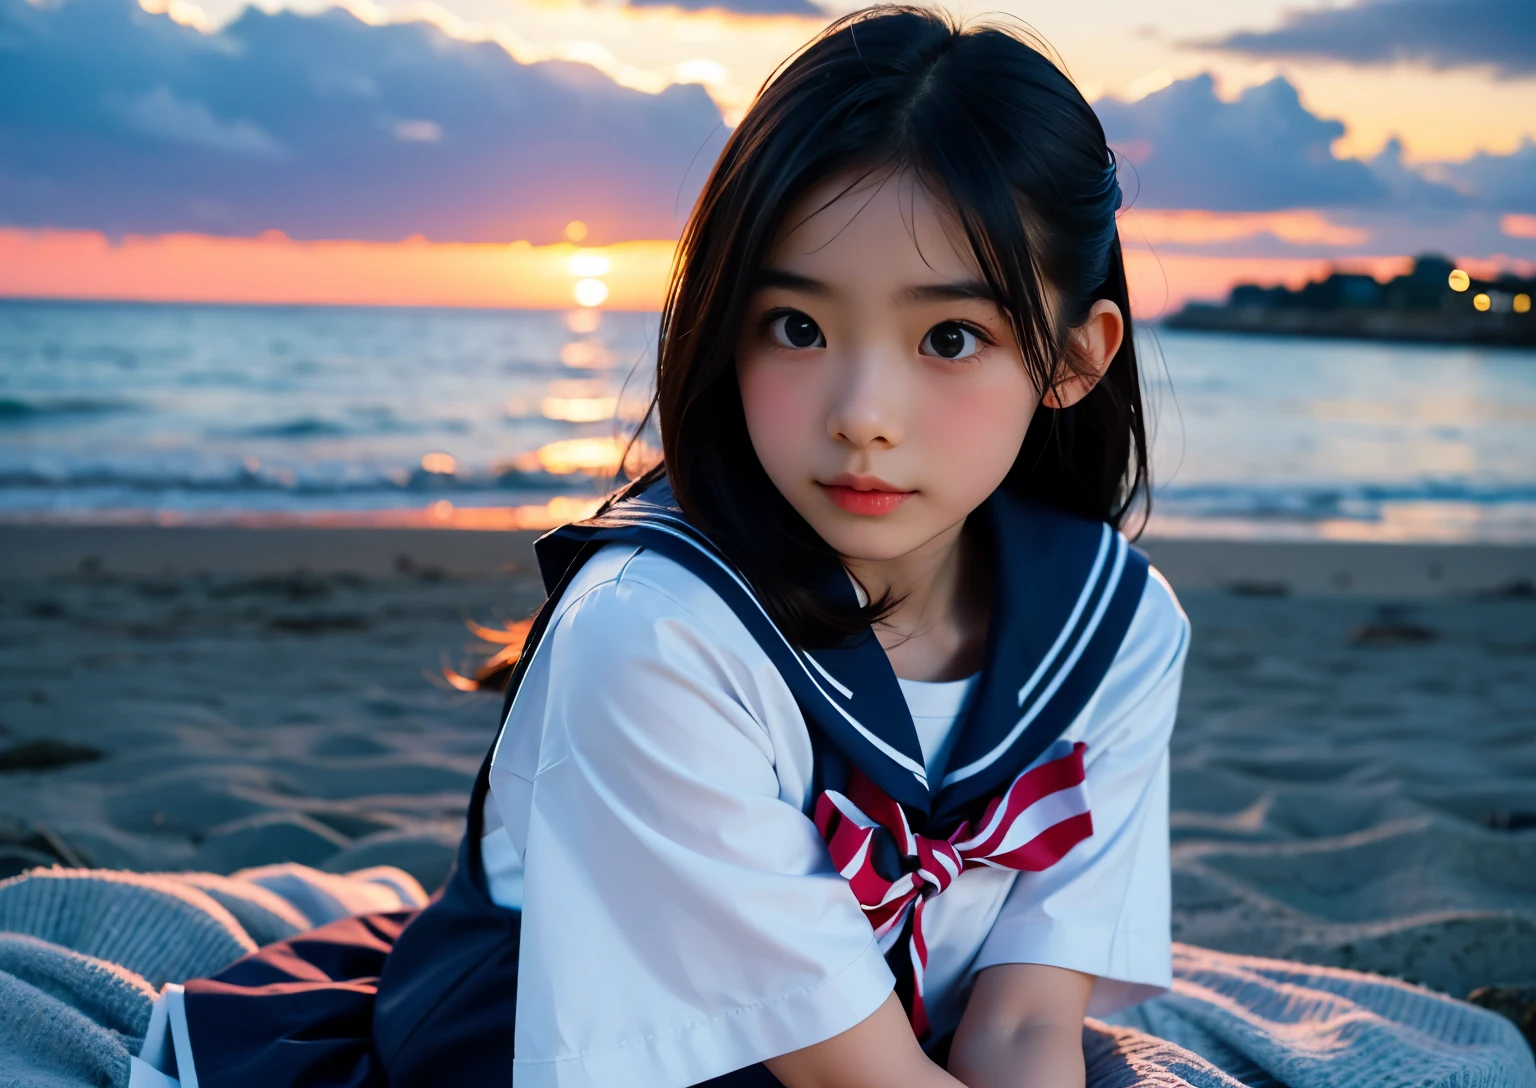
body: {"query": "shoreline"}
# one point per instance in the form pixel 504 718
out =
pixel 1245 567
pixel 1512 332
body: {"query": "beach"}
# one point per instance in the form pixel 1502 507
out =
pixel 1354 767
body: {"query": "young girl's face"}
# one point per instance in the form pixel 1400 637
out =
pixel 883 389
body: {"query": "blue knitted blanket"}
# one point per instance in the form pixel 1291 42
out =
pixel 83 954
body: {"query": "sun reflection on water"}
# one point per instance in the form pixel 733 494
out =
pixel 598 457
pixel 579 409
pixel 585 355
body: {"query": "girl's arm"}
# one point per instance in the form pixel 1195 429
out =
pixel 1022 1028
pixel 879 1052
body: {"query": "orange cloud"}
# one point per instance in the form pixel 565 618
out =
pixel 276 269
pixel 1518 226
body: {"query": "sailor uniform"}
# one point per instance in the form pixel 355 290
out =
pixel 695 846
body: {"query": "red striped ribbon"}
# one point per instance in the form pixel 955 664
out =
pixel 1028 827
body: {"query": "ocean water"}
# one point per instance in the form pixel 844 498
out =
pixel 494 418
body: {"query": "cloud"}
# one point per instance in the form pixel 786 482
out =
pixel 421 132
pixel 1184 148
pixel 1503 182
pixel 743 7
pixel 1408 188
pixel 322 126
pixel 1500 34
pixel 159 113
pixel 1263 152
pixel 1257 176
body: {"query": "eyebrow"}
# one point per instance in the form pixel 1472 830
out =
pixel 794 281
pixel 957 291
pixel 954 291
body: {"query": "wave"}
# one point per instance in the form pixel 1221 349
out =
pixel 1320 502
pixel 307 427
pixel 16 411
pixel 364 422
pixel 310 481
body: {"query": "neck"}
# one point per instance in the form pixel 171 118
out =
pixel 937 631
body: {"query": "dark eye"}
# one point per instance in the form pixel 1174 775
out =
pixel 950 340
pixel 793 329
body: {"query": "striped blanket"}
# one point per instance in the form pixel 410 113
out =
pixel 83 954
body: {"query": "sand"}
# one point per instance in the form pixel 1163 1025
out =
pixel 1354 766
pixel 1398 571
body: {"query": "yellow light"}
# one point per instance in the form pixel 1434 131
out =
pixel 576 230
pixel 583 321
pixel 597 456
pixel 442 464
pixel 1481 303
pixel 1459 280
pixel 590 292
pixel 707 72
pixel 180 11
pixel 442 509
pixel 580 409
pixel 562 509
pixel 590 263
pixel 1522 304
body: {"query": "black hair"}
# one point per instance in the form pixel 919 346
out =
pixel 996 131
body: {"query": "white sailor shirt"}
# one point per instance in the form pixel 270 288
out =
pixel 681 916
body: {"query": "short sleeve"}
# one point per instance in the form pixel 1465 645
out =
pixel 1104 909
pixel 681 918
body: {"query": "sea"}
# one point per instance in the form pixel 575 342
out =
pixel 177 414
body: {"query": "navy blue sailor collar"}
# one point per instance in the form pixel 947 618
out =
pixel 1066 589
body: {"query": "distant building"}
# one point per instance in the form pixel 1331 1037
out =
pixel 1436 301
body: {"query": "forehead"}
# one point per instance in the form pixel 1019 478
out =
pixel 882 226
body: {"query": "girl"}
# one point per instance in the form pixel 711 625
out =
pixel 838 754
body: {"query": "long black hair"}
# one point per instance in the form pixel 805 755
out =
pixel 991 127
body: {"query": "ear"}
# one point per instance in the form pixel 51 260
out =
pixel 1097 341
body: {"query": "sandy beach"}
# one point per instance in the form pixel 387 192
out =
pixel 1354 766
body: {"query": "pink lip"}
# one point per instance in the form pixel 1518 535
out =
pixel 869 496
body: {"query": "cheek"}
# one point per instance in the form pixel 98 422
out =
pixel 975 429
pixel 780 403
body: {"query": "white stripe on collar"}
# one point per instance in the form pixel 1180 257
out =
pixel 844 688
pixel 1067 628
pixel 1041 700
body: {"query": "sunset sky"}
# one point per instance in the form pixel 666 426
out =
pixel 415 153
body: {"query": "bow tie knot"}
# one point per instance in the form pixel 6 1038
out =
pixel 1028 827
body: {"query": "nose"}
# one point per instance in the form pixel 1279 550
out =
pixel 868 403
